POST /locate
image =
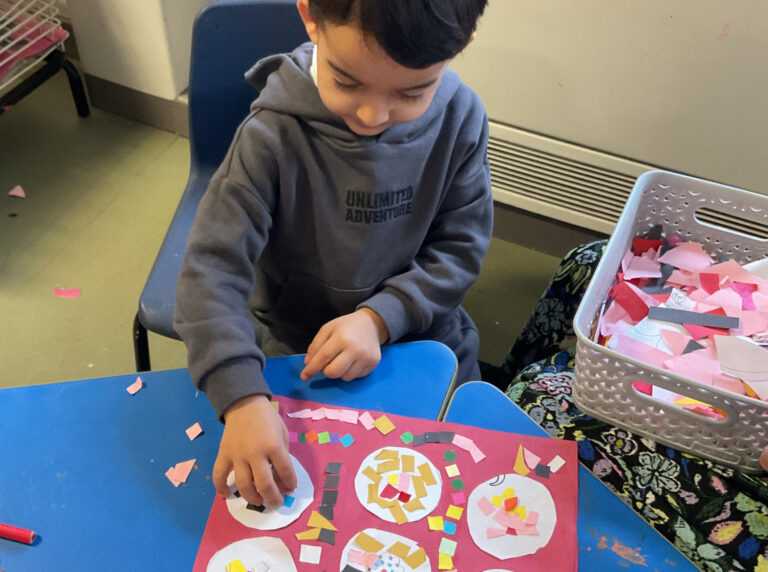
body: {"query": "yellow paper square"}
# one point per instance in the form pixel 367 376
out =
pixel 384 425
pixel 236 566
pixel 454 512
pixel 497 500
pixel 445 562
pixel 508 493
pixel 452 471
pixel 520 511
pixel 435 523
pixel 393 479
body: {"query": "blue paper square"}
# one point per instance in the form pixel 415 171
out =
pixel 347 440
pixel 288 500
pixel 449 527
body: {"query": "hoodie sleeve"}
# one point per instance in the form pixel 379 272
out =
pixel 217 274
pixel 450 258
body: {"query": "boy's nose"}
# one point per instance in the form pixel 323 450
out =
pixel 373 113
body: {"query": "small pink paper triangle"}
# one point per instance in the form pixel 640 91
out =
pixel 17 191
pixel 675 340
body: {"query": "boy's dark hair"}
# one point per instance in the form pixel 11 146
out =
pixel 414 33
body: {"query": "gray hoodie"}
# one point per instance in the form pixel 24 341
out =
pixel 305 221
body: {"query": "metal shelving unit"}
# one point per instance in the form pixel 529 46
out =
pixel 32 51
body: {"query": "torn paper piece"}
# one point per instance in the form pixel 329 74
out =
pixel 135 386
pixel 520 467
pixel 476 454
pixel 556 463
pixel 531 459
pixel 688 256
pixel 743 358
pixel 179 473
pixel 310 554
pixel 67 293
pixel 194 431
pixel 17 191
pixel 384 425
pixel 259 554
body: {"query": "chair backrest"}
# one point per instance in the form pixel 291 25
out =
pixel 229 36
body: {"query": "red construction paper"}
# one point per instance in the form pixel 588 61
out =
pixel 560 553
pixel 630 301
pixel 710 281
pixel 640 245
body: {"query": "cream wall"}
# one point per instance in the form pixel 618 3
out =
pixel 140 44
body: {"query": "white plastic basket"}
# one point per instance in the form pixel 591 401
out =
pixel 603 378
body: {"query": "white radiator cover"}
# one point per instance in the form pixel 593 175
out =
pixel 584 96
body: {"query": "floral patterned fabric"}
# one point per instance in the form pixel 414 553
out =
pixel 716 516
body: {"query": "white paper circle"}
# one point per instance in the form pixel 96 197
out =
pixel 533 495
pixel 433 491
pixel 254 551
pixel 274 517
pixel 387 539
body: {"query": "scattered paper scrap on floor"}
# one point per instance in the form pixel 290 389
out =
pixel 135 386
pixel 272 518
pixel 67 292
pixel 17 191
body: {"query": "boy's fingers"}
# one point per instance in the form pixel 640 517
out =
pixel 318 362
pixel 266 486
pixel 283 467
pixel 220 474
pixel 339 366
pixel 320 338
pixel 244 481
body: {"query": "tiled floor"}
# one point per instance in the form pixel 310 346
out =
pixel 100 192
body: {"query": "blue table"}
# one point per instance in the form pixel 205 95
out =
pixel 603 518
pixel 83 463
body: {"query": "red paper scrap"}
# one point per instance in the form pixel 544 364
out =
pixel 641 245
pixel 630 301
pixel 69 293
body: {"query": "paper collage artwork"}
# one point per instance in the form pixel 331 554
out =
pixel 384 493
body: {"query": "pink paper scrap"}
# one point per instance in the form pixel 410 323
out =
pixel 687 256
pixel 477 454
pixel 349 416
pixel 17 191
pixel 365 559
pixel 486 506
pixel 404 482
pixel 180 472
pixel 194 431
pixel 495 532
pixel 135 386
pixel 302 414
pixel 333 414
pixel 293 437
pixel 459 498
pixel 366 420
pixel 318 414
pixel 67 293
pixel 531 459
pixel 462 442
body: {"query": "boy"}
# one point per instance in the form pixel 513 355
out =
pixel 352 209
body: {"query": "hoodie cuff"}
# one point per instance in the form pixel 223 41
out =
pixel 394 313
pixel 232 381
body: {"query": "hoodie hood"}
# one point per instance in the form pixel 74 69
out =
pixel 284 85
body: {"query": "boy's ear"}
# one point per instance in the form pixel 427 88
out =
pixel 310 23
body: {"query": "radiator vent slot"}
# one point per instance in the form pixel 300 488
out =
pixel 559 182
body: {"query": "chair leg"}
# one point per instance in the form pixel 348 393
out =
pixel 140 345
pixel 76 87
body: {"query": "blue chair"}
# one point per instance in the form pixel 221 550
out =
pixel 229 36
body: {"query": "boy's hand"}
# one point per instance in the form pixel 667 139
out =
pixel 347 347
pixel 255 438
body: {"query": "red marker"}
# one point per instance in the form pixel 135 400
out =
pixel 17 534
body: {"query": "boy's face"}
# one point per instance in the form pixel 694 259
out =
pixel 360 83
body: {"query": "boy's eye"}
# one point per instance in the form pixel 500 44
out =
pixel 411 97
pixel 344 86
